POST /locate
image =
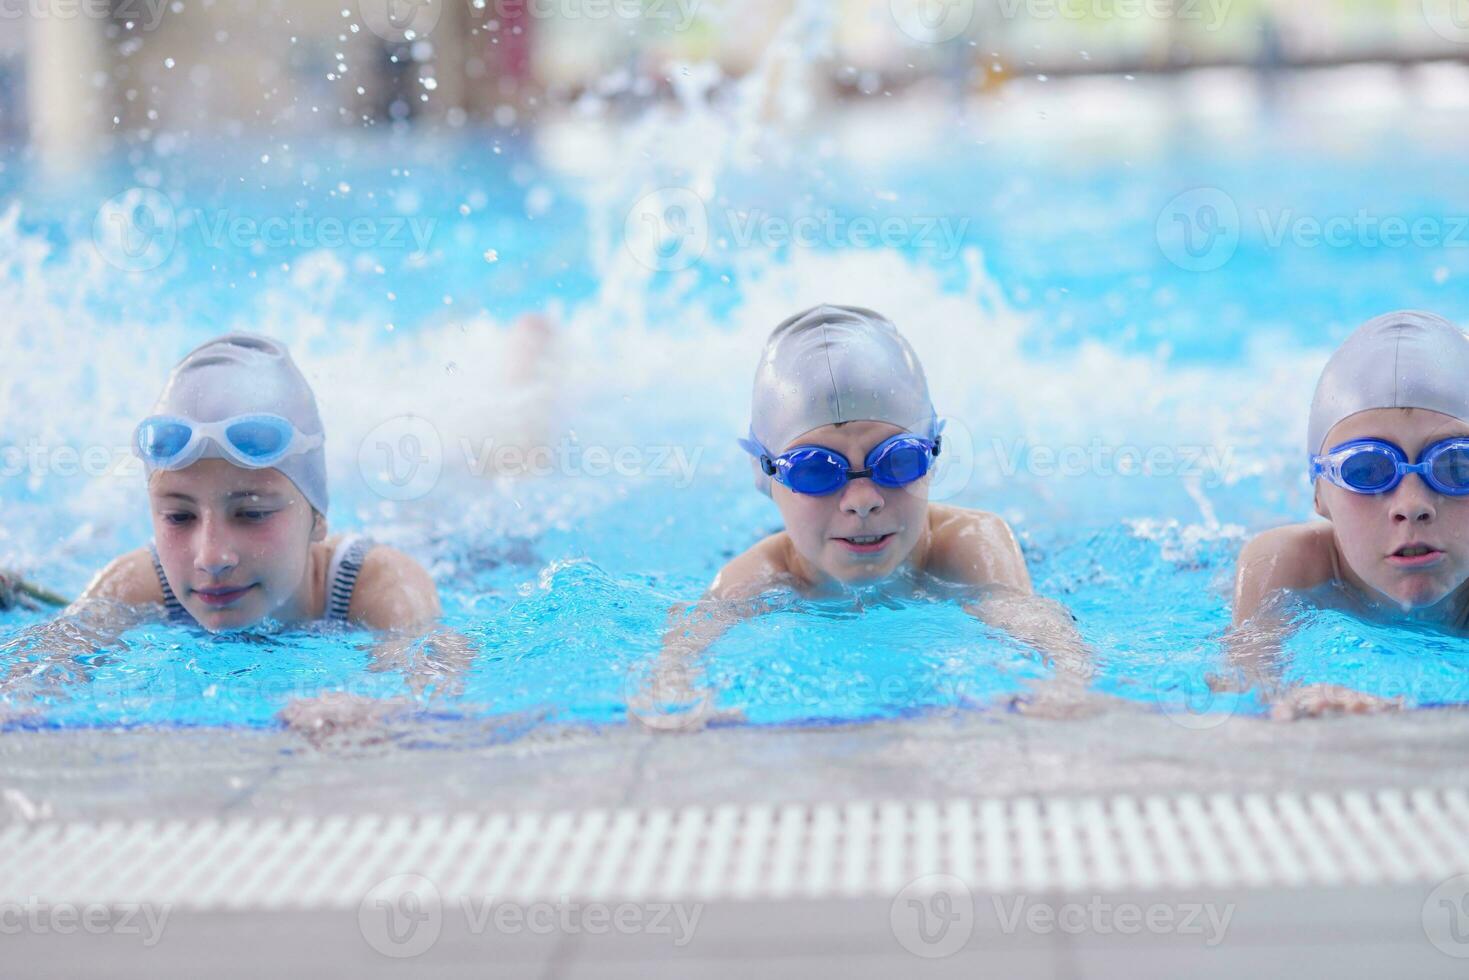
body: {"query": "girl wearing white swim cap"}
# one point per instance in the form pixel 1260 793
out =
pixel 237 484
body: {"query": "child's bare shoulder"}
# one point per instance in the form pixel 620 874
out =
pixel 763 565
pixel 393 591
pixel 129 579
pixel 962 521
pixel 1295 557
pixel 974 547
pixel 1298 552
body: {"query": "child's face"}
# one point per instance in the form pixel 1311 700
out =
pixel 821 528
pixel 234 543
pixel 1371 529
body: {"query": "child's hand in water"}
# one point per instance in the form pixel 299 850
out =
pixel 672 699
pixel 337 713
pixel 10 594
pixel 1064 698
pixel 1316 700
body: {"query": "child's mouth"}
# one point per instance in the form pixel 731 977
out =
pixel 219 598
pixel 1415 556
pixel 866 544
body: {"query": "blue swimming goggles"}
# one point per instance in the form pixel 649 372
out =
pixel 818 471
pixel 1372 466
pixel 165 442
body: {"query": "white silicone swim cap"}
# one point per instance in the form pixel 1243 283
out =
pixel 834 364
pixel 1407 359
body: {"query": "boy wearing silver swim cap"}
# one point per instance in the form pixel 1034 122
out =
pixel 843 437
pixel 236 472
pixel 1388 454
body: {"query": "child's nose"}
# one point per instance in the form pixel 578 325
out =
pixel 861 498
pixel 216 553
pixel 1413 501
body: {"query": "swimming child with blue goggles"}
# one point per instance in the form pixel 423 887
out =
pixel 1388 456
pixel 843 438
pixel 236 465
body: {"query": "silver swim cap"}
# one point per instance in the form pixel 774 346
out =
pixel 1407 359
pixel 835 364
pixel 243 374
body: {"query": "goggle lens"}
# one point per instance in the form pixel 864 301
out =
pixel 163 440
pixel 905 463
pixel 1451 468
pixel 258 438
pixel 814 472
pixel 1370 469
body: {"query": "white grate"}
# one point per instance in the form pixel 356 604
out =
pixel 753 852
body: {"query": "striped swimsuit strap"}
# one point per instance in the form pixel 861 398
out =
pixel 341 575
pixel 341 578
pixel 171 604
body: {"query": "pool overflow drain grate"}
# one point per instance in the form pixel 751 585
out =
pixel 815 851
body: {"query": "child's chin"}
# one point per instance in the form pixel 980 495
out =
pixel 1418 597
pixel 224 620
pixel 861 575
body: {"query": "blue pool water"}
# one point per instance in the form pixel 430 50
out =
pixel 1062 341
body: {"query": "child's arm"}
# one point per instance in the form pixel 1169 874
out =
pixel 1298 557
pixel 17 592
pixel 117 599
pixel 393 592
pixel 694 627
pixel 396 597
pixel 979 549
pixel 1294 558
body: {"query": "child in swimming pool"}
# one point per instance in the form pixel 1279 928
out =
pixel 1388 446
pixel 843 436
pixel 237 485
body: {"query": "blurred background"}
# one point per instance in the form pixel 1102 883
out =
pixel 81 76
